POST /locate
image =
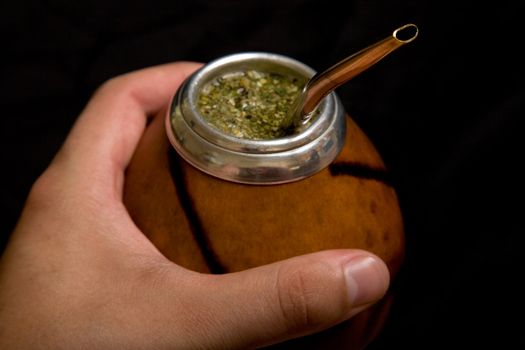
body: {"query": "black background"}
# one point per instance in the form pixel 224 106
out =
pixel 442 111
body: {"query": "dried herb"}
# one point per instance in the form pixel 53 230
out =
pixel 250 105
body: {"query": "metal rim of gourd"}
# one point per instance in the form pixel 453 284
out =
pixel 253 161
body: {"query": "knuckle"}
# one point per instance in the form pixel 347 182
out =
pixel 110 84
pixel 113 87
pixel 42 191
pixel 302 294
pixel 53 190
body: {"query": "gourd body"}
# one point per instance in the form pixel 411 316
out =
pixel 214 226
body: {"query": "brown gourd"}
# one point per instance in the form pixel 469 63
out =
pixel 214 226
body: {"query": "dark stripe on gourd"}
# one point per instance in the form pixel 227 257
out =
pixel 361 171
pixel 211 259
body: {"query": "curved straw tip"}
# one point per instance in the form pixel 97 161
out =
pixel 406 33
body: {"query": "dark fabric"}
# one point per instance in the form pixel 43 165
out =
pixel 442 111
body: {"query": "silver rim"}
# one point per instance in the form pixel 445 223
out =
pixel 258 162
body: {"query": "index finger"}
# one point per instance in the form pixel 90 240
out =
pixel 105 135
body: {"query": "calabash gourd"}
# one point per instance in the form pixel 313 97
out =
pixel 214 226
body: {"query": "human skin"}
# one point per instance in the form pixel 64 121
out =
pixel 78 274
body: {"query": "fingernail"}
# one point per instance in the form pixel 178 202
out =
pixel 367 278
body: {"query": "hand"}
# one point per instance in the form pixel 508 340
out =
pixel 77 272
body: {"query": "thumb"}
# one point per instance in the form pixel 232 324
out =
pixel 291 298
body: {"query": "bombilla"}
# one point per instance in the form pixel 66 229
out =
pixel 322 84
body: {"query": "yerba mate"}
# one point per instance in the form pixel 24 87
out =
pixel 225 120
pixel 249 104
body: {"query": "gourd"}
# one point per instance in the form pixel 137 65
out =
pixel 215 226
pixel 342 199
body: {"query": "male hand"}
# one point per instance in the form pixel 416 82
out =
pixel 78 274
